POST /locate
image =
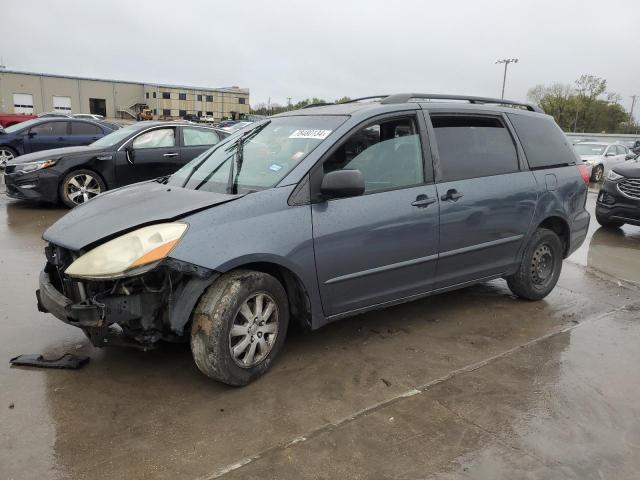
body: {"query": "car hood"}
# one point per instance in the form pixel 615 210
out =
pixel 54 153
pixel 124 209
pixel 629 169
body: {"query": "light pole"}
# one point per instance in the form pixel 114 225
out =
pixel 506 62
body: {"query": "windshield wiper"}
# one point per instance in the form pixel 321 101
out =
pixel 236 164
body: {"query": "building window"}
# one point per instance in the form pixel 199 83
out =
pixel 154 94
pixel 147 95
pixel 209 98
pixel 182 113
pixel 155 112
pixel 210 114
pixel 166 95
pixel 241 100
pixel 199 98
pixel 166 112
pixel 182 96
pixel 199 113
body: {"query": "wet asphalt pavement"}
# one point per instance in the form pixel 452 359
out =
pixel 466 385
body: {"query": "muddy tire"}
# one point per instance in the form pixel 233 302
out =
pixel 540 268
pixel 239 326
pixel 597 174
pixel 606 222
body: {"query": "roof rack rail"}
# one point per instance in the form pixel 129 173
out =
pixel 321 104
pixel 405 97
pixel 370 97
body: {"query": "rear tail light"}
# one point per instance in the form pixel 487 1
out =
pixel 584 173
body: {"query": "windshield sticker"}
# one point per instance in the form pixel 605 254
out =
pixel 315 134
pixel 275 167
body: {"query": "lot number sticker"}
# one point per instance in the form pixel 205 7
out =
pixel 315 134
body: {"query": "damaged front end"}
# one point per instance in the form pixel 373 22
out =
pixel 136 311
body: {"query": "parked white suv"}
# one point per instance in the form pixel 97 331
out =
pixel 600 157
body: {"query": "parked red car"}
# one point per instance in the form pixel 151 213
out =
pixel 8 119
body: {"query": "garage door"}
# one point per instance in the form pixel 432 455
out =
pixel 22 103
pixel 62 104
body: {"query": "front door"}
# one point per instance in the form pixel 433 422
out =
pixel 486 200
pixel 47 135
pixel 152 154
pixel 380 246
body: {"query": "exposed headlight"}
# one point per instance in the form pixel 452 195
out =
pixel 589 162
pixel 33 166
pixel 130 254
pixel 613 176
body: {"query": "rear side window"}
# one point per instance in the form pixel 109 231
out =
pixel 544 143
pixel 81 128
pixel 199 136
pixel 472 147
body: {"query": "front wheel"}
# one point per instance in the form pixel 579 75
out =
pixel 597 173
pixel 540 268
pixel 6 154
pixel 80 186
pixel 239 326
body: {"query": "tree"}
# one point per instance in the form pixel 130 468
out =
pixel 579 107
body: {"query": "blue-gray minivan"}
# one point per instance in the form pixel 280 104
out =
pixel 316 215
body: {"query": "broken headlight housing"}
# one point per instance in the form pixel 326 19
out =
pixel 130 254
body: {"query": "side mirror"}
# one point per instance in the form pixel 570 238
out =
pixel 131 154
pixel 610 154
pixel 32 134
pixel 342 183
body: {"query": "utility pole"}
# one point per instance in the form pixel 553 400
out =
pixel 288 103
pixel 506 62
pixel 633 104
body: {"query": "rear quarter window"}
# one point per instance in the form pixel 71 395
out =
pixel 544 144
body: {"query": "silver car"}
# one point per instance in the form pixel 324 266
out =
pixel 600 157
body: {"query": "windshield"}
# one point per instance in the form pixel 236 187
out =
pixel 589 148
pixel 270 151
pixel 21 125
pixel 116 137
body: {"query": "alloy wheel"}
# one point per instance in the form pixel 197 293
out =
pixel 81 188
pixel 5 156
pixel 254 330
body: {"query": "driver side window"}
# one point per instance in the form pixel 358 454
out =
pixel 162 137
pixel 387 153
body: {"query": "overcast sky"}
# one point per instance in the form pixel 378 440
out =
pixel 329 48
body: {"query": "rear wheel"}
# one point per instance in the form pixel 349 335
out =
pixel 239 326
pixel 80 186
pixel 606 222
pixel 597 173
pixel 540 267
pixel 6 154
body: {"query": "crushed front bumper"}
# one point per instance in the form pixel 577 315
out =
pixel 131 313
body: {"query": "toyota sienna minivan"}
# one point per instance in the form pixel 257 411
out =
pixel 315 215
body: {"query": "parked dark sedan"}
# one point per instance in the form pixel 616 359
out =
pixel 46 133
pixel 131 154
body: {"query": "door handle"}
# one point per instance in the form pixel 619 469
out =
pixel 170 155
pixel 452 194
pixel 423 201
